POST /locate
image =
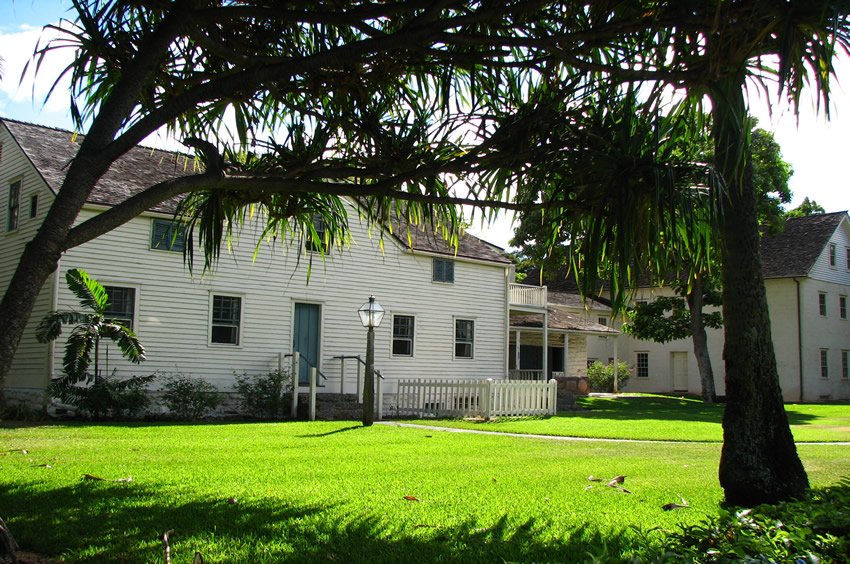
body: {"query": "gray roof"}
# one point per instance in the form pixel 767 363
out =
pixel 51 150
pixel 561 320
pixel 569 299
pixel 794 251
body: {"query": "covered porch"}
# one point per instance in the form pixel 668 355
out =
pixel 564 340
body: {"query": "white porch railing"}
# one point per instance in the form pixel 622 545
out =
pixel 475 398
pixel 523 295
pixel 525 374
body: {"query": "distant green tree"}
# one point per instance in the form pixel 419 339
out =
pixel 668 318
pixel 808 207
pixel 770 180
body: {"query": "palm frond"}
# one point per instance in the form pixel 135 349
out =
pixel 89 291
pixel 50 326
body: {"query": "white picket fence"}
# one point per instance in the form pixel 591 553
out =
pixel 475 398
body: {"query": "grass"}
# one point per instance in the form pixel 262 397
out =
pixel 336 492
pixel 655 418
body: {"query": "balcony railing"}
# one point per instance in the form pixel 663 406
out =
pixel 523 295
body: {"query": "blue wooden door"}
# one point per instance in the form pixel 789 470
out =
pixel 306 338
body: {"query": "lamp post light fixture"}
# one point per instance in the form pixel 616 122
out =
pixel 371 313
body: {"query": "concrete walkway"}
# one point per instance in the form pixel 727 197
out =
pixel 563 438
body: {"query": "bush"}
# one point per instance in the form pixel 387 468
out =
pixel 189 398
pixel 266 395
pixel 106 396
pixel 815 529
pixel 601 376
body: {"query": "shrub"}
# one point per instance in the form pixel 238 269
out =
pixel 265 395
pixel 601 376
pixel 189 398
pixel 106 396
pixel 815 529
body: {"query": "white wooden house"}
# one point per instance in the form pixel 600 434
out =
pixel 806 269
pixel 448 311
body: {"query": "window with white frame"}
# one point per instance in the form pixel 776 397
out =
pixel 842 307
pixel 14 205
pixel 824 363
pixel 847 252
pixel 226 320
pixel 845 367
pixel 642 364
pixel 403 335
pixel 168 235
pixel 464 338
pixel 833 252
pixel 443 270
pixel 822 303
pixel 121 305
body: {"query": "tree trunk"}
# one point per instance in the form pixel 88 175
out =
pixel 40 258
pixel 700 340
pixel 759 461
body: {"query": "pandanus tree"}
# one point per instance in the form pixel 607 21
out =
pixel 91 327
pixel 394 102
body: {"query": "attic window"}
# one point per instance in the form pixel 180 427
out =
pixel 1 151
pixel 443 270
pixel 322 243
pixel 848 257
pixel 33 206
pixel 14 205
pixel 832 255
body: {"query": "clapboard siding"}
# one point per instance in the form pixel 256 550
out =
pixel 839 274
pixel 30 366
pixel 173 305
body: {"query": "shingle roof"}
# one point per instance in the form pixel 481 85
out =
pixel 563 321
pixel 794 251
pixel 51 150
pixel 570 299
pixel 426 240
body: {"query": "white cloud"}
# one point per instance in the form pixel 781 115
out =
pixel 17 49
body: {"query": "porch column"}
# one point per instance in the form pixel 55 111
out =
pixel 545 345
pixel 566 354
pixel 517 334
pixel 616 362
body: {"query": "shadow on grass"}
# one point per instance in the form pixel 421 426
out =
pixel 334 432
pixel 660 408
pixel 98 521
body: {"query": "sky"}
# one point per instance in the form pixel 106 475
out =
pixel 817 149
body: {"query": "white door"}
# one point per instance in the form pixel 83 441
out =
pixel 679 364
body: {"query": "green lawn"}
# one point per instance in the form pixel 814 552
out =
pixel 336 492
pixel 655 418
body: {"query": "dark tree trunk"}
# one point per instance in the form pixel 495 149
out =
pixel 759 461
pixel 700 340
pixel 40 258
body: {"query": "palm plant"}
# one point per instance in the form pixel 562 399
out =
pixel 91 327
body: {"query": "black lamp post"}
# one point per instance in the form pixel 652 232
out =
pixel 371 313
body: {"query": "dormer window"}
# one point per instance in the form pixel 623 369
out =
pixel 443 270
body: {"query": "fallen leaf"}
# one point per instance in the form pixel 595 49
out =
pixel 593 478
pixel 126 480
pixel 672 506
pixel 93 477
pixel 588 487
pixel 411 498
pixel 494 479
pixel 622 489
pixel 43 466
pixel 232 500
pixel 616 480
